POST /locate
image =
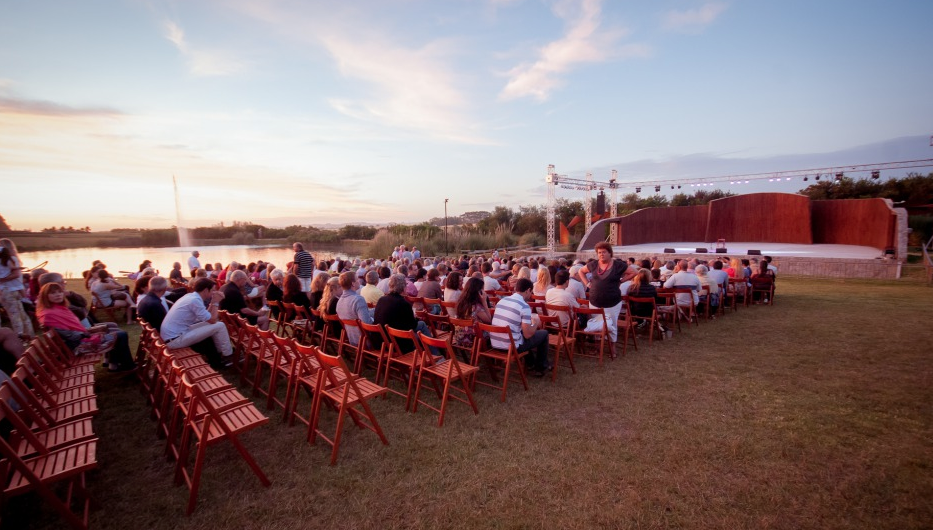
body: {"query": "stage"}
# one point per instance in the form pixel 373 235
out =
pixel 825 261
pixel 740 249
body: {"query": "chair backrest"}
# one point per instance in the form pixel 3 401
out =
pixel 19 419
pixel 285 349
pixel 589 312
pixel 453 365
pixel 375 336
pixel 437 322
pixel 400 338
pixel 506 331
pixel 538 307
pixel 451 307
pixel 329 364
pixel 551 323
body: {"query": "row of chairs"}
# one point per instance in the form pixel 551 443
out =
pixel 194 408
pixel 269 360
pixel 49 402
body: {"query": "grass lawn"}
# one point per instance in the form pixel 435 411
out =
pixel 813 413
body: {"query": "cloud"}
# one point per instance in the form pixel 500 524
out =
pixel 393 84
pixel 583 42
pixel 49 108
pixel 409 88
pixel 692 20
pixel 203 62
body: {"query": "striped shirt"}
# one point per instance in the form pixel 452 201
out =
pixel 304 264
pixel 511 311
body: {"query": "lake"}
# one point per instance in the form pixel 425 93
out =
pixel 72 262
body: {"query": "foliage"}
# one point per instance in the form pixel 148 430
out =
pixel 159 237
pixel 922 226
pixel 61 229
pixel 913 190
pixel 357 232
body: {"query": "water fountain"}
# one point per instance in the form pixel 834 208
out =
pixel 183 239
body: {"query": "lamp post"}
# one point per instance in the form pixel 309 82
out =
pixel 445 226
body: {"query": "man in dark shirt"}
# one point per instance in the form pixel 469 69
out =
pixel 394 311
pixel 235 303
pixel 151 308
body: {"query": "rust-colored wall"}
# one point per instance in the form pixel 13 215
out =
pixel 771 217
pixel 651 225
pixel 761 217
pixel 865 222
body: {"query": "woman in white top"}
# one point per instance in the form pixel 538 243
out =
pixel 452 290
pixel 12 290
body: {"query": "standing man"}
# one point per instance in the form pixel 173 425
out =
pixel 193 263
pixel 189 321
pixel 304 266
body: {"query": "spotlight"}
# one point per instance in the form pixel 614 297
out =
pixel 678 186
pixel 672 187
pixel 788 178
pixel 806 179
pixel 875 175
pixel 839 175
pixel 731 183
pixel 770 180
pixel 657 189
pixel 746 182
pixel 638 190
pixel 817 177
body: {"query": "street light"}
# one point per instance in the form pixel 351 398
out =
pixel 445 226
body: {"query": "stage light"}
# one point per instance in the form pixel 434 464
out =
pixel 637 190
pixel 817 177
pixel 678 186
pixel 805 179
pixel 788 178
pixel 657 189
pixel 672 187
pixel 746 182
pixel 875 175
pixel 770 180
pixel 839 175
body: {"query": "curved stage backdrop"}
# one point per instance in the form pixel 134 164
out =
pixel 764 218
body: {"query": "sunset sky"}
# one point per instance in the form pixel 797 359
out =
pixel 309 112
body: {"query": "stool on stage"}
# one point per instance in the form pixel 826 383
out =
pixel 720 246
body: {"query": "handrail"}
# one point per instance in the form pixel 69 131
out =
pixel 927 262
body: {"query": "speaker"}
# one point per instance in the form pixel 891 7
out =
pixel 753 252
pixel 669 251
pixel 721 250
pixel 600 203
pixel 702 250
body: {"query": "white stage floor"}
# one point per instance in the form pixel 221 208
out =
pixel 739 248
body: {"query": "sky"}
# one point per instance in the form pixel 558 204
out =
pixel 288 112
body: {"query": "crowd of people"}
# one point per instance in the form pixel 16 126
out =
pixel 184 307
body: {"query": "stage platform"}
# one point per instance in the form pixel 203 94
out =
pixel 825 261
pixel 741 248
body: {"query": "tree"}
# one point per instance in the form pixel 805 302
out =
pixel 501 216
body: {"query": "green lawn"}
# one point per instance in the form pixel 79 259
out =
pixel 813 413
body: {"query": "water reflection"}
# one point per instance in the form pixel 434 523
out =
pixel 73 262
